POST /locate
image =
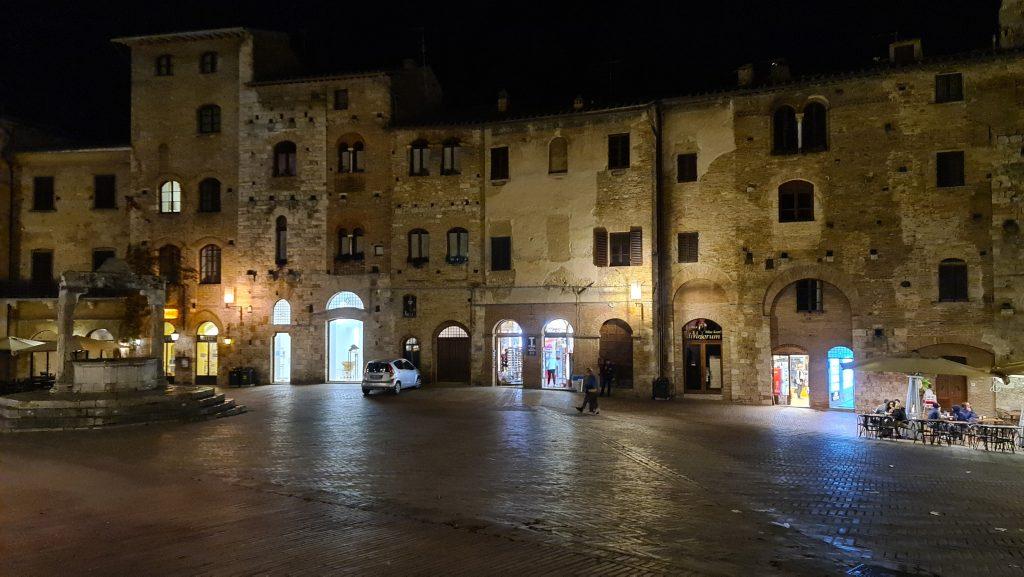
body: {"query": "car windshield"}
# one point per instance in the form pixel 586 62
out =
pixel 376 367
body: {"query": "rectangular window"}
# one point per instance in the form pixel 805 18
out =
pixel 686 168
pixel 450 158
pixel 499 163
pixel 688 244
pixel 949 87
pixel 618 151
pixel 42 193
pixel 419 159
pixel 619 244
pixel 808 296
pixel 104 191
pixel 501 253
pixel 100 256
pixel 949 168
pixel 42 267
pixel 341 99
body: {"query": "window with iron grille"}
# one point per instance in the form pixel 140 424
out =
pixel 808 296
pixel 618 151
pixel 952 280
pixel 688 245
pixel 499 163
pixel 209 264
pixel 949 168
pixel 686 167
pixel 949 87
pixel 104 191
pixel 208 119
pixel 501 253
pixel 43 193
pixel 285 163
pixel 282 314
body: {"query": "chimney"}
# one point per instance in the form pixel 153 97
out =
pixel 577 103
pixel 503 101
pixel 906 51
pixel 1011 24
pixel 745 75
pixel 778 71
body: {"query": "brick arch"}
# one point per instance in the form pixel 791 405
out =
pixel 701 271
pixel 835 278
pixel 201 317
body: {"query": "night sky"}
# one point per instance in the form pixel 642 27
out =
pixel 59 68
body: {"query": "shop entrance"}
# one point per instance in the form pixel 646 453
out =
pixel 453 355
pixel 840 380
pixel 616 353
pixel 170 336
pixel 206 354
pixel 557 361
pixel 508 354
pixel 702 356
pixel 282 358
pixel 791 379
pixel 344 350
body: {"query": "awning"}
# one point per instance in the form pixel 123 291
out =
pixel 915 365
pixel 15 344
pixel 78 342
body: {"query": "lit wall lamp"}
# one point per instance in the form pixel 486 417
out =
pixel 228 340
pixel 175 336
pixel 634 291
pixel 229 297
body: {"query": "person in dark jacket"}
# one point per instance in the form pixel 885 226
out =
pixel 968 414
pixel 935 413
pixel 589 393
pixel 958 413
pixel 607 376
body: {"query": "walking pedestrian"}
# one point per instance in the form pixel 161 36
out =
pixel 589 393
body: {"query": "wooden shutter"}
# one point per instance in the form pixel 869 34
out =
pixel 600 247
pixel 688 244
pixel 636 246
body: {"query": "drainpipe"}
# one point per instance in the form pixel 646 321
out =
pixel 663 240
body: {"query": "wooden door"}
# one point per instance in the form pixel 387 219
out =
pixel 949 389
pixel 453 359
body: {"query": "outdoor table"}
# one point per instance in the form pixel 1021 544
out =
pixel 1000 436
pixel 930 430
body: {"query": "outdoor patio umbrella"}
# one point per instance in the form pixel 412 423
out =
pixel 15 344
pixel 914 366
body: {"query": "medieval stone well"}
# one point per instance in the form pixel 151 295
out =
pixel 91 393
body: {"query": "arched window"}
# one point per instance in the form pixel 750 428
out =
pixel 284 159
pixel 208 119
pixel 209 195
pixel 784 131
pixel 458 246
pixel 170 263
pixel 952 280
pixel 344 157
pixel 814 128
pixel 164 65
pixel 170 196
pixel 453 332
pixel 357 156
pixel 419 246
pixel 209 264
pixel 344 243
pixel 345 299
pixel 796 201
pixel 357 243
pixel 419 158
pixel 208 63
pixel 282 313
pixel 558 156
pixel 450 156
pixel 840 378
pixel 281 240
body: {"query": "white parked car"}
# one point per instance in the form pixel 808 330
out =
pixel 390 375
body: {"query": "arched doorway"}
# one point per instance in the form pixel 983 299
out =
pixel 206 354
pixel 702 356
pixel 557 360
pixel 282 358
pixel 411 351
pixel 616 352
pixel 791 377
pixel 508 353
pixel 840 380
pixel 452 355
pixel 170 337
pixel 344 340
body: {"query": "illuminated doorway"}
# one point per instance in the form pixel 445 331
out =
pixel 840 380
pixel 702 357
pixel 344 350
pixel 206 354
pixel 170 336
pixel 508 353
pixel 282 358
pixel 556 364
pixel 791 379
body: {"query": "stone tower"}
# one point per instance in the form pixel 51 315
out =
pixel 1011 24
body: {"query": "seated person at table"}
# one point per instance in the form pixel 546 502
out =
pixel 957 413
pixel 935 413
pixel 968 414
pixel 898 412
pixel 883 408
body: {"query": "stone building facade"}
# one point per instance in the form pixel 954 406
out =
pixel 744 244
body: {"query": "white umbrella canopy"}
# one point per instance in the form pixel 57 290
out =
pixel 914 365
pixel 15 344
pixel 79 343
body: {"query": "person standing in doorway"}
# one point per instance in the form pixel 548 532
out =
pixel 550 366
pixel 589 393
pixel 607 376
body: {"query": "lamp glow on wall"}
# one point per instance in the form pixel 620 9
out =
pixel 229 296
pixel 634 291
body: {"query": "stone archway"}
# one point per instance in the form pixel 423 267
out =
pixel 616 348
pixel 702 298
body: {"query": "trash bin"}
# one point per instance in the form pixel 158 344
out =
pixel 242 377
pixel 661 389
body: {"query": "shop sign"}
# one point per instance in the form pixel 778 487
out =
pixel 530 349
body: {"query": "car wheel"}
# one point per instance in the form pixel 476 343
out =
pixel 366 392
pixel 398 387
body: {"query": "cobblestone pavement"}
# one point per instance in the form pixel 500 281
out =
pixel 319 480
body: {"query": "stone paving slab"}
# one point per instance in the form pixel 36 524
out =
pixel 317 480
